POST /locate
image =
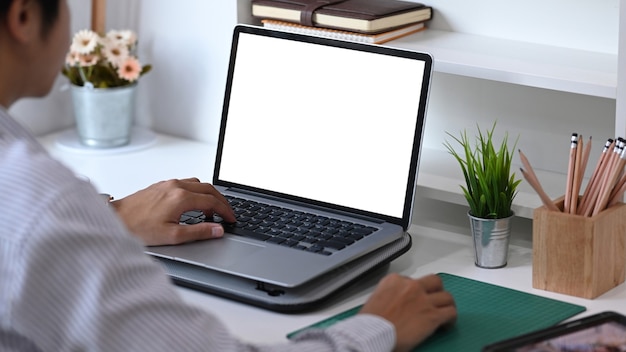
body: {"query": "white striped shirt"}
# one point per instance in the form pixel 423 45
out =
pixel 73 279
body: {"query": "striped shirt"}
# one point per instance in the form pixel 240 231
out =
pixel 73 279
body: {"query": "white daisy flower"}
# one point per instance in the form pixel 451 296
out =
pixel 127 37
pixel 116 53
pixel 93 58
pixel 84 41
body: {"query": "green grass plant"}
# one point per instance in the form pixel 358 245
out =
pixel 490 187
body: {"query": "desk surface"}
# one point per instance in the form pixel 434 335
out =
pixel 434 250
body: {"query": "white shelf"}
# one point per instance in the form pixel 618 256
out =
pixel 516 62
pixel 440 177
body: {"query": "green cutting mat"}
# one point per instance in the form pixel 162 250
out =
pixel 486 313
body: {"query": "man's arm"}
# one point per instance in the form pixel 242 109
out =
pixel 81 282
pixel 73 278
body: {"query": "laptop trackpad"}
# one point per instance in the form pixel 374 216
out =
pixel 217 253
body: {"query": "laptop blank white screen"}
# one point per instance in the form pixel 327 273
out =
pixel 323 123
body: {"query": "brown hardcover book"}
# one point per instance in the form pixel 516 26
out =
pixel 378 38
pixel 364 16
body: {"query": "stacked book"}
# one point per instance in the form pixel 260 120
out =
pixel 367 21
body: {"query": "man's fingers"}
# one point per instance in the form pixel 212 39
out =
pixel 225 211
pixel 196 232
pixel 431 283
pixel 201 202
pixel 441 299
pixel 220 205
pixel 194 185
pixel 190 179
pixel 448 316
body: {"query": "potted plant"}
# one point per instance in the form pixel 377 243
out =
pixel 103 72
pixel 489 189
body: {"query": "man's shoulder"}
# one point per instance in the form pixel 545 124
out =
pixel 27 164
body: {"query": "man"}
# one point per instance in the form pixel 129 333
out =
pixel 72 277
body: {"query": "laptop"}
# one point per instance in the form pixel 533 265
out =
pixel 328 130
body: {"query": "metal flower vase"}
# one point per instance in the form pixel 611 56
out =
pixel 491 241
pixel 104 116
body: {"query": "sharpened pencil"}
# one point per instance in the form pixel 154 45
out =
pixel 578 175
pixel 570 173
pixel 531 178
pixel 606 173
pixel 534 183
pixel 613 173
pixel 618 191
pixel 590 195
pixel 585 159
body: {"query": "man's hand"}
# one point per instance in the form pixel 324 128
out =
pixel 153 213
pixel 416 307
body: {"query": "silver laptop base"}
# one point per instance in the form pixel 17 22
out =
pixel 306 297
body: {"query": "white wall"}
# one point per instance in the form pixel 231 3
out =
pixel 186 41
pixel 533 114
pixel 579 24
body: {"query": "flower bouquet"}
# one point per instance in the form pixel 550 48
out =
pixel 103 72
pixel 103 61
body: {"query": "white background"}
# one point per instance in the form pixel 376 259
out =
pixel 188 43
pixel 313 121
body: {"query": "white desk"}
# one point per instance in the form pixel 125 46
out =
pixel 433 250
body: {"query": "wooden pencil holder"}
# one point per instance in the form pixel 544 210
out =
pixel 577 255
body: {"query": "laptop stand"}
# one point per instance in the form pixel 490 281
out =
pixel 306 297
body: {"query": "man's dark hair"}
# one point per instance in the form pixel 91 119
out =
pixel 49 11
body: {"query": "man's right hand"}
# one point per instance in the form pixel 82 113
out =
pixel 416 307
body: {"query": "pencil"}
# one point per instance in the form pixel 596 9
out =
pixel 585 159
pixel 570 173
pixel 588 196
pixel 619 190
pixel 585 200
pixel 578 174
pixel 526 163
pixel 534 183
pixel 533 180
pixel 606 174
pixel 614 173
pixel 621 179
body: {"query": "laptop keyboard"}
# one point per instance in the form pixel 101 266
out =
pixel 286 227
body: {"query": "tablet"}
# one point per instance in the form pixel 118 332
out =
pixel 604 331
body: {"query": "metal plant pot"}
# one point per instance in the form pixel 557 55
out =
pixel 491 241
pixel 104 116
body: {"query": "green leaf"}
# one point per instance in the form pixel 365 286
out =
pixel 490 186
